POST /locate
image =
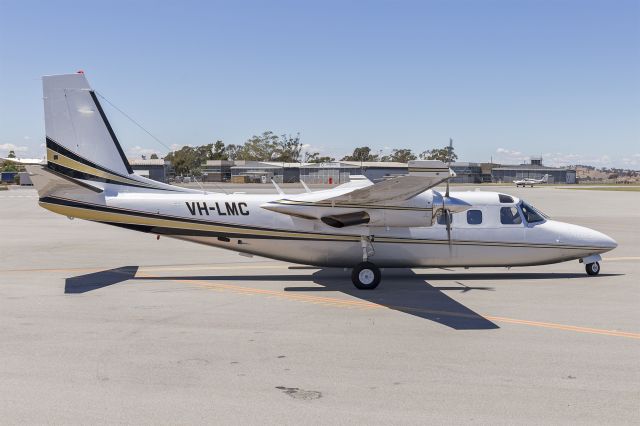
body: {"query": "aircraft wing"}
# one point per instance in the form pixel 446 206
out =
pixel 422 176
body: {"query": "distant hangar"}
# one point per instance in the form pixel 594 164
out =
pixel 339 171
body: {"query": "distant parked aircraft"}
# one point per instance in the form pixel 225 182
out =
pixel 531 182
pixel 23 160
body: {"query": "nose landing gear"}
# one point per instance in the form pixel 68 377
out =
pixel 592 268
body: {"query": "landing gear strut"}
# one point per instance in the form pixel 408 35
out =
pixel 592 268
pixel 366 275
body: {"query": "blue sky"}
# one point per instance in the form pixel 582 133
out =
pixel 504 78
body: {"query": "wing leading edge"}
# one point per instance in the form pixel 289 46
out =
pixel 422 176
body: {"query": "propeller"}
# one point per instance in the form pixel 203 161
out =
pixel 446 195
pixel 450 152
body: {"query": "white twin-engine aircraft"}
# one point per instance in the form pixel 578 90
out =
pixel 530 181
pixel 399 222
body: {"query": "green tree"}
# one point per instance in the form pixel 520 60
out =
pixel 403 155
pixel 219 151
pixel 12 154
pixel 316 158
pixel 445 154
pixel 258 148
pixel 9 166
pixel 288 149
pixel 188 160
pixel 362 153
pixel 154 156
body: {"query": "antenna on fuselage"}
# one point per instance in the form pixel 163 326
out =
pixel 280 191
pixel 449 155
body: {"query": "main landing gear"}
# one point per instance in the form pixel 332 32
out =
pixel 366 275
pixel 592 268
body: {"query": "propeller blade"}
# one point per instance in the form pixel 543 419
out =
pixel 448 219
pixel 449 164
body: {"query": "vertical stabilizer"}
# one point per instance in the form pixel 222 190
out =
pixel 81 144
pixel 76 122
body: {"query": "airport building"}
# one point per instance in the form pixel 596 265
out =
pixel 217 170
pixel 157 169
pixel 533 170
pixel 338 172
pixel 313 173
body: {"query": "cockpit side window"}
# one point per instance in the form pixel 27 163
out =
pixel 510 216
pixel 505 198
pixel 531 215
pixel 474 217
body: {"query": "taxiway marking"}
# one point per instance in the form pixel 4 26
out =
pixel 332 301
pixel 345 303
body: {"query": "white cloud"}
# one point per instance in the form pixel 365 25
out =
pixel 631 161
pixel 312 148
pixel 561 159
pixel 12 147
pixel 138 151
pixel 510 156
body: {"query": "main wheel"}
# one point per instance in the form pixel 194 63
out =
pixel 592 268
pixel 366 276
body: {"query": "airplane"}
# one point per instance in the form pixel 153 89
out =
pixel 401 222
pixel 530 181
pixel 22 160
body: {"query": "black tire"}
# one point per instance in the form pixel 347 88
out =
pixel 366 276
pixel 592 268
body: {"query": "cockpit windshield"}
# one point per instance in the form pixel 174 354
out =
pixel 531 214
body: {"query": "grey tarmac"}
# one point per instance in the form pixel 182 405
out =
pixel 103 325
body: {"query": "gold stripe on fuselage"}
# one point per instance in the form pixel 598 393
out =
pixel 63 160
pixel 125 217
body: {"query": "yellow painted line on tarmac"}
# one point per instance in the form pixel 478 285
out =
pixel 359 304
pixel 157 268
pixel 614 259
pixel 332 301
pixel 578 329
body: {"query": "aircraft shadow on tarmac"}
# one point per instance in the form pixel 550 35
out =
pixel 405 291
pixel 96 280
pixel 402 289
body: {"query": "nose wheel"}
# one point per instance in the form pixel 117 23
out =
pixel 592 268
pixel 366 276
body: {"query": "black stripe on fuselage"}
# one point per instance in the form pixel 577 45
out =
pixel 326 237
pixel 75 174
pixel 56 147
pixel 138 213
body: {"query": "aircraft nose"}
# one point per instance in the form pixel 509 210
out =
pixel 602 240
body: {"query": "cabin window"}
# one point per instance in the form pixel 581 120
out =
pixel 531 215
pixel 442 219
pixel 505 198
pixel 474 217
pixel 510 216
